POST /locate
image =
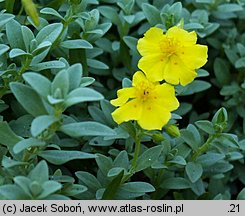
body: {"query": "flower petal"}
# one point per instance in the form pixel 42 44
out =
pixel 194 56
pixel 150 42
pixel 153 66
pixel 123 96
pixel 153 117
pixel 176 72
pixel 165 96
pixel 187 76
pixel 128 111
pixel 138 78
pixel 186 38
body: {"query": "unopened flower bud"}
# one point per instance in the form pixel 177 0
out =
pixel 157 137
pixel 173 130
pixel 31 10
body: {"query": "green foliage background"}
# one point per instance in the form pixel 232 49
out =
pixel 57 137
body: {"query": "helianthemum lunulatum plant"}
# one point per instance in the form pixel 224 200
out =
pixel 168 59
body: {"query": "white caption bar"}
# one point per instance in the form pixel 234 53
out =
pixel 122 208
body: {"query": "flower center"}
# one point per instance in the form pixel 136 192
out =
pixel 169 46
pixel 145 91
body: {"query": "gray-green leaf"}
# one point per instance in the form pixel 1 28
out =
pixel 89 128
pixel 59 157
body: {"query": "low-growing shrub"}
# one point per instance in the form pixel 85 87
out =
pixel 122 99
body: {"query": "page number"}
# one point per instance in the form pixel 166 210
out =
pixel 234 208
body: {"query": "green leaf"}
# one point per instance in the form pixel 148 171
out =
pixel 228 8
pixel 240 63
pixel 129 18
pixel 115 171
pixel 202 73
pixel 49 187
pixel 76 44
pixel 152 14
pixel 7 162
pixel 42 47
pixel 61 81
pixel 195 87
pixel 47 65
pixel 233 156
pixel 198 187
pixel 220 167
pixel 35 188
pixel 3 49
pixel 27 143
pixel 111 14
pixel 189 138
pixel 97 114
pixel 89 180
pixel 51 11
pixel 193 26
pixel 241 195
pixel 28 98
pixel 41 123
pixel 222 72
pixel 18 52
pixel 126 83
pixel 100 141
pixel 206 126
pixel 122 160
pixel 53 100
pixel 75 73
pixel 49 33
pixel 86 129
pixel 39 83
pixel 175 183
pixel 126 6
pixel 112 188
pixel 39 57
pixel 194 171
pixel 12 192
pixel 137 187
pixel 210 158
pixel 7 136
pixel 104 163
pixel 97 64
pixel 75 189
pixel 4 18
pixel 80 95
pixel 229 140
pixel 107 109
pixel 28 36
pixel 131 42
pixel 178 160
pixel 59 157
pixel 86 81
pixel 231 89
pixel 40 173
pixel 24 183
pixel 14 35
pixel 148 158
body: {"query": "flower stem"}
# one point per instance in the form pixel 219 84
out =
pixel 204 147
pixel 137 138
pixel 136 152
pixel 84 62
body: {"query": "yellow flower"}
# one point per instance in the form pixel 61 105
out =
pixel 172 57
pixel 149 103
